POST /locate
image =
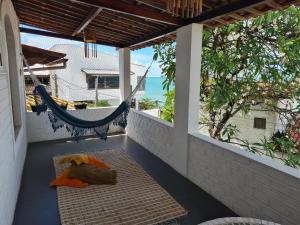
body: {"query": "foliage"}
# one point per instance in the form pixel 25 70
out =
pixel 166 56
pixel 147 103
pixel 248 63
pixel 101 103
pixel 167 111
pixel 230 132
pixel 280 147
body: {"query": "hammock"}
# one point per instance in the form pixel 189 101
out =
pixel 60 118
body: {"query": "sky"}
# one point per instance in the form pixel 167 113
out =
pixel 142 56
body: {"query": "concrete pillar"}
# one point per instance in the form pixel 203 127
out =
pixel 188 67
pixel 124 67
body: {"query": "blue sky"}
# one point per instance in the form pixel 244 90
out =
pixel 142 56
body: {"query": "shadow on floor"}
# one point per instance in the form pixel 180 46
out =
pixel 37 201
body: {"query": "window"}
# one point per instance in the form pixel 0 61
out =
pixel 260 123
pixel 28 81
pixel 13 76
pixel 42 79
pixel 104 82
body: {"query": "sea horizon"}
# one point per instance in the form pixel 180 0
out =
pixel 154 88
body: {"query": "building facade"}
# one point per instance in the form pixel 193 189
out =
pixel 77 81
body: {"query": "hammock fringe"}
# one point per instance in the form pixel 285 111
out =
pixel 77 132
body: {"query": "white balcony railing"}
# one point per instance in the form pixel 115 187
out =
pixel 39 127
pixel 250 185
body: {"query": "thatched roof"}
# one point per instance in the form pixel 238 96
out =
pixel 36 55
pixel 130 23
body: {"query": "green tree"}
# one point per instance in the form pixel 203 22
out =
pixel 167 112
pixel 147 103
pixel 247 63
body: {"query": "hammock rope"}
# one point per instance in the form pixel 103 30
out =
pixel 77 127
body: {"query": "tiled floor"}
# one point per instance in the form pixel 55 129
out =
pixel 37 201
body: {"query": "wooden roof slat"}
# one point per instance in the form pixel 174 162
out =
pixel 138 22
pixel 92 15
pixel 273 4
pixel 115 26
pixel 205 16
pixel 151 4
pixel 69 37
pixel 36 55
pixel 254 11
pixel 133 23
pixel 101 36
pixel 51 8
pixel 122 24
pixel 69 28
pixel 225 10
pixel 70 5
pixel 121 7
pixel 55 17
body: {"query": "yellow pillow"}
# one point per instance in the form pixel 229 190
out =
pixel 77 159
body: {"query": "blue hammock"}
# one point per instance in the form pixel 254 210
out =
pixel 77 127
pixel 60 118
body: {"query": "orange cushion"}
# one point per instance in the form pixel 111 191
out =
pixel 64 180
pixel 68 182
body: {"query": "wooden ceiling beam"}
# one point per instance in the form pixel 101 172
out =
pixel 225 10
pixel 213 14
pixel 35 14
pixel 51 8
pixel 93 13
pixel 133 10
pixel 67 25
pixel 63 36
pixel 273 4
pixel 67 31
pixel 141 2
pixel 121 24
pixel 131 20
pixel 254 11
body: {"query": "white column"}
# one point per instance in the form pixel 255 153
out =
pixel 124 67
pixel 188 67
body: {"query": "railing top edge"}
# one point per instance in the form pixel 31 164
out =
pixel 268 162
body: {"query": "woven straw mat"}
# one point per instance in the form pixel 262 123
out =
pixel 135 199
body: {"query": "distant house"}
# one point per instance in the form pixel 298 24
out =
pixel 77 81
pixel 41 61
pixel 44 78
pixel 259 122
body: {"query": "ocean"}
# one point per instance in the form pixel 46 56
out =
pixel 154 89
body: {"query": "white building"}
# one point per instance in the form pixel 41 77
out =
pixel 258 123
pixel 77 81
pixel 253 126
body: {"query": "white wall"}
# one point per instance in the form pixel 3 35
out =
pixel 250 185
pixel 154 134
pixel 73 74
pixel 39 127
pixel 12 148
